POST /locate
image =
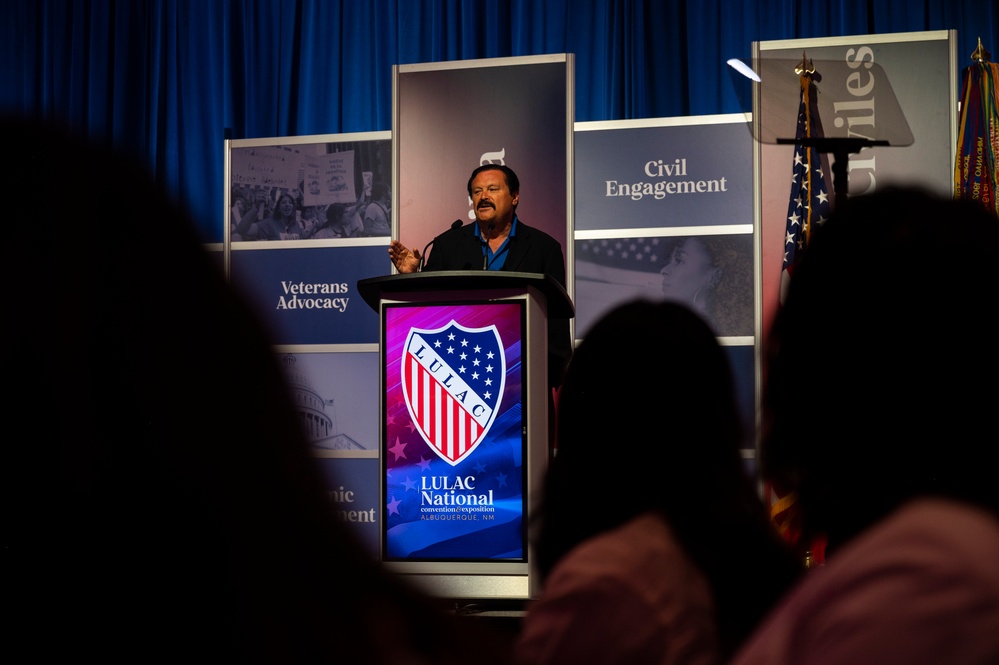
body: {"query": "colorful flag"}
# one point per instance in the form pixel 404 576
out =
pixel 975 175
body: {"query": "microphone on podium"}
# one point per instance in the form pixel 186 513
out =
pixel 455 224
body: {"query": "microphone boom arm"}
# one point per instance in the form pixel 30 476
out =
pixel 455 224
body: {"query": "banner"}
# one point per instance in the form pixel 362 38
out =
pixel 307 217
pixel 912 74
pixel 444 129
pixel 664 212
pixel 455 448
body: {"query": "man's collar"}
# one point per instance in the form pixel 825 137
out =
pixel 513 228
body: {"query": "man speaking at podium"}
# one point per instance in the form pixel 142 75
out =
pixel 497 240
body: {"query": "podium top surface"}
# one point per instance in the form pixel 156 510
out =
pixel 373 289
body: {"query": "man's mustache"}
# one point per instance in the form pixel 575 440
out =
pixel 486 204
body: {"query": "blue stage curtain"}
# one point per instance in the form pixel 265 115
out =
pixel 168 80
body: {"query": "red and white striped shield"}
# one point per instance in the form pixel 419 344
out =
pixel 452 380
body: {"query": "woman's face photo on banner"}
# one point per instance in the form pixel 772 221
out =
pixel 711 274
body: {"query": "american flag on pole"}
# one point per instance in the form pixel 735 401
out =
pixel 808 206
pixel 809 203
pixel 452 380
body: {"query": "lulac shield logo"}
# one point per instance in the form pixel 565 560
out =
pixel 453 379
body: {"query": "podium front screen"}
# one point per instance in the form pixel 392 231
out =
pixel 454 446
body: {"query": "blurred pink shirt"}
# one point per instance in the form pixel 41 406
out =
pixel 920 588
pixel 628 596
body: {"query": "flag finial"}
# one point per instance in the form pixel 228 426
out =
pixel 805 66
pixel 981 53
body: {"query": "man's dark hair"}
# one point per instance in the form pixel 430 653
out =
pixel 512 181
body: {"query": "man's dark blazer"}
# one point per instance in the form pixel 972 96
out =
pixel 530 250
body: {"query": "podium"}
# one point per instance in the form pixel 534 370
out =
pixel 463 425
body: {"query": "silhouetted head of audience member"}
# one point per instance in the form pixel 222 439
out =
pixel 647 421
pixel 880 384
pixel 160 500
